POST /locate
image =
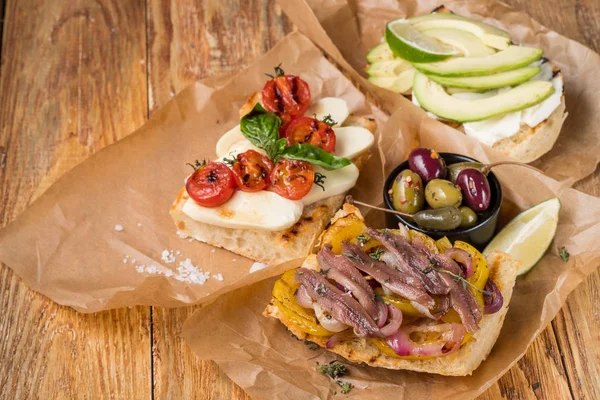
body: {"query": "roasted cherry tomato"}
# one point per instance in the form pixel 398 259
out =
pixel 286 94
pixel 292 179
pixel 211 185
pixel 312 131
pixel 286 119
pixel 251 171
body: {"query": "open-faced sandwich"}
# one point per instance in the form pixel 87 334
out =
pixel 395 298
pixel 280 174
pixel 469 75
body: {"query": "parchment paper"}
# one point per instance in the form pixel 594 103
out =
pixel 66 245
pixel 355 26
pixel 259 354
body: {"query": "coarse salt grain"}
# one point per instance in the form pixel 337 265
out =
pixel 213 250
pixel 118 228
pixel 257 267
pixel 168 256
pixel 178 252
pixel 188 272
pixel 139 224
pixel 125 260
pixel 182 235
pixel 218 277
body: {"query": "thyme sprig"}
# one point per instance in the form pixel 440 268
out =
pixel 353 257
pixel 362 239
pixel 458 278
pixel 376 255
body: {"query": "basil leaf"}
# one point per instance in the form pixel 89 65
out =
pixel 261 128
pixel 314 155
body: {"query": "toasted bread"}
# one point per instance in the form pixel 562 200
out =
pixel 267 246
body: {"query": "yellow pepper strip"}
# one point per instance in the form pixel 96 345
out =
pixel 443 244
pixel 345 229
pixel 399 302
pixel 481 272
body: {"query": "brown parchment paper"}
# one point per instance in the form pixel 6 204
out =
pixel 355 26
pixel 259 354
pixel 66 246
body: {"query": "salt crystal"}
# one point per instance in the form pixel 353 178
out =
pixel 140 268
pixel 172 93
pixel 213 250
pixel 218 277
pixel 169 274
pixel 188 272
pixel 182 235
pixel 234 260
pixel 178 252
pixel 118 228
pixel 133 260
pixel 125 260
pixel 142 62
pixel 257 267
pixel 167 256
pixel 139 224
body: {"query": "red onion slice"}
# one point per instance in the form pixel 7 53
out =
pixel 451 338
pixel 303 299
pixel 339 338
pixel 461 256
pixel 492 302
pixel 382 314
pixel 395 322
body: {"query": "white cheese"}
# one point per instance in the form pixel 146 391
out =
pixel 333 106
pixel 492 130
pixel 352 140
pixel 336 182
pixel 249 210
pixel 228 140
pixel 238 148
pixel 532 116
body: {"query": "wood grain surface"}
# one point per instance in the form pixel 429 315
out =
pixel 77 75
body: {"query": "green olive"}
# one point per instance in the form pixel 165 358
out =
pixel 441 219
pixel 441 193
pixel 469 218
pixel 454 169
pixel 407 192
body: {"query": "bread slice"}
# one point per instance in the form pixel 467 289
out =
pixel 503 270
pixel 267 246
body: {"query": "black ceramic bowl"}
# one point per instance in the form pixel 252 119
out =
pixel 478 235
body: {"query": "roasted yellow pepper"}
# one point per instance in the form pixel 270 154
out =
pixel 345 229
pixel 283 297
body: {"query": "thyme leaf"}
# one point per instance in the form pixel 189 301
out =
pixel 564 254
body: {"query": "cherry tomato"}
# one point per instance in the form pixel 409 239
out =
pixel 286 119
pixel 310 130
pixel 211 185
pixel 292 179
pixel 251 171
pixel 286 94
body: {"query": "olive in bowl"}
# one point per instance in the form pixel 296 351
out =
pixel 465 209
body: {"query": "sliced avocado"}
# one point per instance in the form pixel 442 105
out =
pixel 399 84
pixel 433 98
pixel 490 35
pixel 512 58
pixel 452 90
pixel 502 79
pixel 467 43
pixel 381 52
pixel 388 68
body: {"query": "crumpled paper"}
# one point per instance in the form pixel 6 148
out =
pixel 69 245
pixel 356 26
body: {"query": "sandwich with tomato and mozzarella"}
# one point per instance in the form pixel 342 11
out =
pixel 279 175
pixel 395 298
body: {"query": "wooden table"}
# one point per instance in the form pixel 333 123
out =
pixel 77 75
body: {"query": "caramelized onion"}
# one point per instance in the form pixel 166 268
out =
pixel 451 337
pixel 395 321
pixel 461 256
pixel 382 313
pixel 493 301
pixel 327 321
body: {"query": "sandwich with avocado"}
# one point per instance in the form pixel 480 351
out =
pixel 471 75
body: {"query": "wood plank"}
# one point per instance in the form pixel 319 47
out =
pixel 71 82
pixel 190 40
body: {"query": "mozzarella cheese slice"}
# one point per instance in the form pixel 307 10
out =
pixel 228 140
pixel 333 106
pixel 249 210
pixel 492 130
pixel 240 147
pixel 352 140
pixel 335 182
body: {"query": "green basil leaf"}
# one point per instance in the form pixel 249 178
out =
pixel 314 155
pixel 261 128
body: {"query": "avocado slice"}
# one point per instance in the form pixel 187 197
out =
pixel 399 84
pixel 490 35
pixel 512 58
pixel 381 52
pixel 433 98
pixel 467 43
pixel 502 79
pixel 388 68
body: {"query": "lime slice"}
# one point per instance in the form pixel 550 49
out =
pixel 412 45
pixel 528 235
